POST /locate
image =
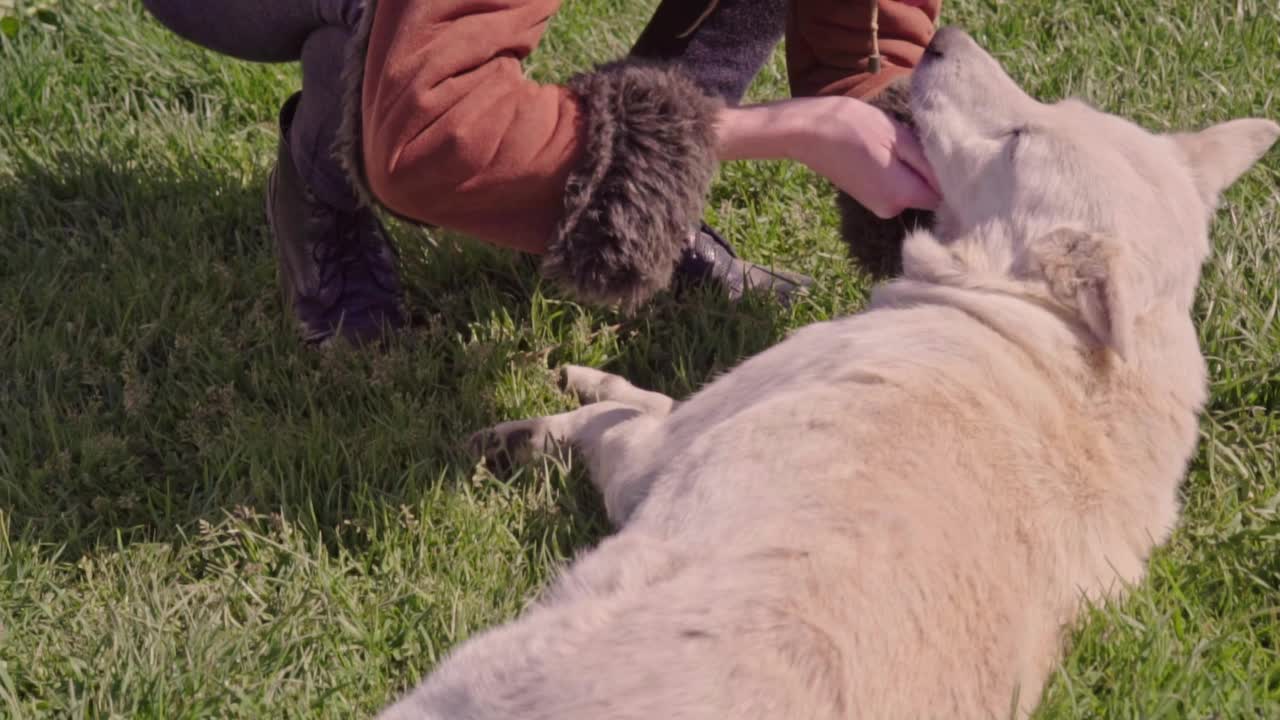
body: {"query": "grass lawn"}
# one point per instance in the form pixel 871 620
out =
pixel 198 517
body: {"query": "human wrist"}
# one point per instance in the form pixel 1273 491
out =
pixel 773 131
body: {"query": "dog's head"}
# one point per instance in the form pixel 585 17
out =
pixel 1098 214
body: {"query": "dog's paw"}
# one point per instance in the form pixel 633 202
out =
pixel 589 385
pixel 509 444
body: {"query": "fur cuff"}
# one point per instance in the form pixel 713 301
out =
pixel 876 243
pixel 348 147
pixel 639 189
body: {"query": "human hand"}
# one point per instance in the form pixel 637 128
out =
pixel 864 152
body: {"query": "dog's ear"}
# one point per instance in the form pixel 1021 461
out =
pixel 1220 154
pixel 1084 271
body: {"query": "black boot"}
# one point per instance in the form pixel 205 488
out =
pixel 710 258
pixel 337 267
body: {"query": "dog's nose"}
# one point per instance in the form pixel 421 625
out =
pixel 943 40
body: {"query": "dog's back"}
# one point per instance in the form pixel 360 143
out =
pixel 900 518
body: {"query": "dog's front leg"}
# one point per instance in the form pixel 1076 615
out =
pixel 605 433
pixel 591 385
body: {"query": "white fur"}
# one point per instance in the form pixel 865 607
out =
pixel 896 514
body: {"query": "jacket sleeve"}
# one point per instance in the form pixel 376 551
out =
pixel 829 44
pixel 604 176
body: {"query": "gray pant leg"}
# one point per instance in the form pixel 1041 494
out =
pixel 312 31
pixel 722 44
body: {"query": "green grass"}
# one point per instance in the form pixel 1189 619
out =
pixel 200 518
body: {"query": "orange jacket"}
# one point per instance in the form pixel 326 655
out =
pixel 451 133
pixel 829 44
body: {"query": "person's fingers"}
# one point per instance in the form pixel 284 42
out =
pixel 908 148
pixel 910 190
pixel 879 162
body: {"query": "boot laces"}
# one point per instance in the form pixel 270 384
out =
pixel 346 252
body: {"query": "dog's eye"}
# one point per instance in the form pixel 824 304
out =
pixel 1013 137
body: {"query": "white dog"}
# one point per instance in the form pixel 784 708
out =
pixel 896 514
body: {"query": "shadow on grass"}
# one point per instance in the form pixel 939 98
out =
pixel 152 382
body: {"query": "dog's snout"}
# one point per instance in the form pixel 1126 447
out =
pixel 945 40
